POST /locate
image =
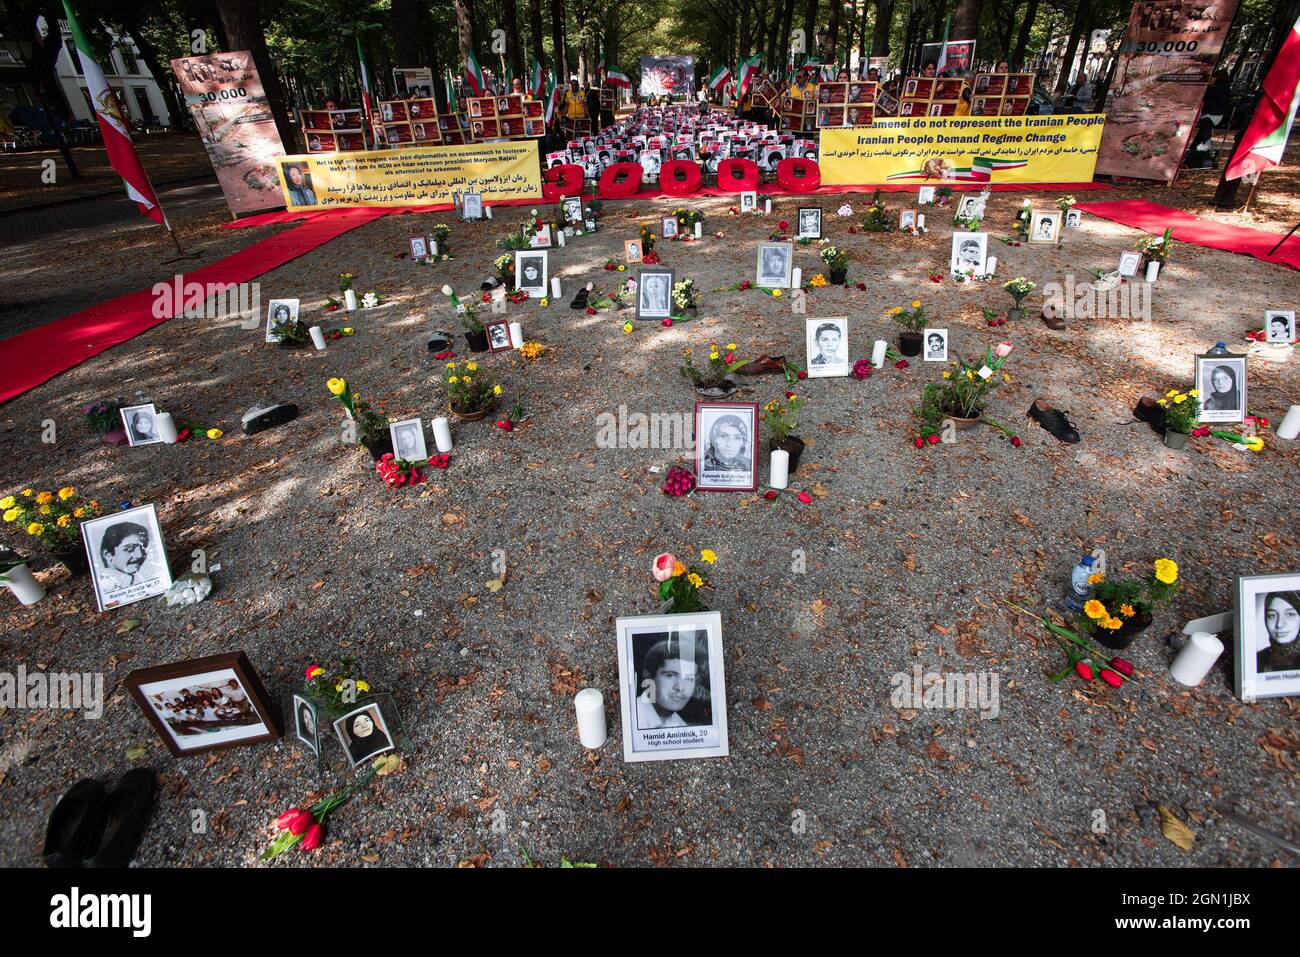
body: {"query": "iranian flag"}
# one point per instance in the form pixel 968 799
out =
pixel 112 126
pixel 552 95
pixel 474 75
pixel 1266 137
pixel 616 77
pixel 745 74
pixel 452 105
pixel 719 79
pixel 365 79
pixel 536 81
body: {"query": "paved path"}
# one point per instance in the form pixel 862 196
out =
pixel 182 198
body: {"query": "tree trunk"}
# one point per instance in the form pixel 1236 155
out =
pixel 557 41
pixel 1022 41
pixel 465 29
pixel 809 25
pixel 1078 30
pixel 243 26
pixel 909 43
pixel 510 23
pixel 787 25
pixel 404 20
pixel 832 29
pixel 535 29
pixel 880 31
pixel 966 22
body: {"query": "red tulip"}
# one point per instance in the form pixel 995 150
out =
pixel 505 425
pixel 1111 678
pixel 805 498
pixel 1263 421
pixel 789 394
pixel 312 839
pixel 1015 441
pixel 900 364
pixel 1123 666
pixel 802 374
pixel 285 819
pixel 591 310
pixel 919 442
pixel 299 824
pixel 1084 670
pixel 933 439
pixel 667 323
pixel 770 494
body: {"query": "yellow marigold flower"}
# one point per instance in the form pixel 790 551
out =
pixel 678 569
pixel 1128 611
pixel 45 510
pixel 315 673
pixel 63 521
pixel 94 503
pixel 732 346
pixel 947 375
pixel 1096 577
pixel 467 379
pixel 627 327
pixel 1171 393
pixel 708 556
pixel 1166 571
pixel 12 514
pixel 713 355
pixel 28 492
pixel 337 386
pixel 695 580
pixel 66 493
pixel 215 434
pixel 1195 392
pixel 44 497
pixel 1094 609
pixel 916 303
pixel 452 379
pixel 7 502
pixel 472 366
pixel 35 528
pixel 496 390
pixel 1179 400
pixel 970 374
pixel 1112 624
pixel 78 512
pixel 451 365
pixel 776 293
pixel 363 686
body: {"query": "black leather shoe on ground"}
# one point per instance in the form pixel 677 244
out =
pixel 1151 412
pixel 1053 421
pixel 71 824
pixel 120 820
pixel 580 300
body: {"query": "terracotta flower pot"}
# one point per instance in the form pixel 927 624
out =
pixel 472 416
pixel 962 424
pixel 909 343
pixel 793 445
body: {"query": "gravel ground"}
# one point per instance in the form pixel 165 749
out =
pixel 908 556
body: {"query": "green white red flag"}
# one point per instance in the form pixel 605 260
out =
pixel 474 75
pixel 113 128
pixel 552 95
pixel 719 79
pixel 1270 127
pixel 536 80
pixel 746 72
pixel 616 77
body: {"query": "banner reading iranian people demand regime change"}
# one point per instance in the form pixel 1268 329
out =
pixel 411 177
pixel 978 149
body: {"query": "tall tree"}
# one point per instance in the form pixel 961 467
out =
pixel 535 28
pixel 1022 41
pixel 559 56
pixel 405 20
pixel 1078 30
pixel 465 29
pixel 966 22
pixel 243 26
pixel 809 25
pixel 880 33
pixel 510 23
pixel 832 33
pixel 787 25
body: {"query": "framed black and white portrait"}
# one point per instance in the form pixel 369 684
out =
pixel 530 272
pixel 632 251
pixel 1128 264
pixel 968 206
pixel 810 222
pixel 408 439
pixel 364 733
pixel 1279 326
pixel 141 422
pixel 1222 384
pixel 934 347
pixel 726 446
pixel 926 196
pixel 205 703
pixel 827 346
pixel 306 723
pixel 541 237
pixel 1044 226
pixel 498 335
pixel 419 247
pixel 654 294
pixel 672 690
pixel 572 207
pixel 128 558
pixel 669 227
pixel 279 311
pixel 749 201
pixel 775 264
pixel 969 251
pixel 471 206
pixel 1267 654
pixel 1073 219
pixel 906 218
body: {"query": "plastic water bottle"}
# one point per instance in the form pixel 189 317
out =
pixel 1080 590
pixel 1220 349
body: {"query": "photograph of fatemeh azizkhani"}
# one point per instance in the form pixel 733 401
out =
pixel 278 311
pixel 1222 384
pixel 669 227
pixel 726 448
pixel 363 733
pixel 632 250
pixel 1044 225
pixel 673 699
pixel 775 263
pixel 408 440
pixel 298 181
pixel 748 201
pixel 128 560
pixel 1267 640
pixel 498 334
pixel 969 251
pixel 936 345
pixel 810 222
pixel 1073 219
pixel 530 272
pixel 419 247
pixel 472 206
pixel 827 346
pixel 1128 263
pixel 305 723
pixel 654 294
pixel 141 423
pixel 1279 326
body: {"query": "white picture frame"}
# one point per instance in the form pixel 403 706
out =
pixel 306 723
pixel 826 346
pixel 531 271
pixel 359 748
pixel 572 208
pixel 969 250
pixel 541 237
pixel 925 197
pixel 1265 665
pixel 141 424
pixel 809 222
pixel 408 437
pixel 775 265
pixel 1286 331
pixel 1129 263
pixel 726 447
pixel 471 206
pixel 1044 227
pixel 1074 219
pixel 906 218
pixel 669 227
pixel 288 307
pixel 934 344
pixel 749 201
pixel 1220 405
pixel 127 555
pixel 654 294
pixel 665 660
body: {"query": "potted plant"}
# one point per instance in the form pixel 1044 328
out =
pixel 105 419
pixel 687 218
pixel 686 298
pixel 440 234
pixel 471 393
pixel 475 334
pixel 943 195
pixel 964 392
pixel 1019 289
pixel 715 380
pixel 54 520
pixel 837 263
pixel 1182 410
pixel 371 424
pixel 681 585
pixel 781 419
pixel 291 333
pixel 1121 608
pixel 647 238
pixel 1155 249
pixel 505 268
pixel 877 219
pixel 913 321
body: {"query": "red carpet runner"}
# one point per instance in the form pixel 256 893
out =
pixel 1155 219
pixel 38 355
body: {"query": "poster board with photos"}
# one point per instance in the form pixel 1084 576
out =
pixel 333 131
pixel 403 123
pixel 1001 94
pixel 1266 658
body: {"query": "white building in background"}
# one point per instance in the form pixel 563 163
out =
pixel 126 73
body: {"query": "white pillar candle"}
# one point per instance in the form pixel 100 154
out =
pixel 559 236
pixel 796 278
pixel 442 433
pixel 778 474
pixel 25 588
pixel 349 300
pixel 1290 426
pixel 878 353
pixel 433 248
pixel 1196 659
pixel 699 230
pixel 991 265
pixel 317 337
pixel 590 705
pixel 920 220
pixel 488 210
pixel 555 287
pixel 516 334
pixel 166 426
pixel 1153 271
pixel 767 205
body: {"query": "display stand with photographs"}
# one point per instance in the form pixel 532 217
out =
pixel 850 103
pixel 931 96
pixel 333 131
pixel 1001 94
pixel 798 114
pixel 405 123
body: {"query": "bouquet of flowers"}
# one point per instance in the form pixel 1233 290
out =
pixel 371 299
pixel 1156 249
pixel 398 472
pixel 52 518
pixel 1022 221
pixel 345 281
pixel 504 266
pixel 1066 203
pixel 1116 602
pixel 291 332
pixel 687 218
pixel 103 417
pixel 965 388
pixel 782 417
pixel 470 390
pixel 684 294
pixel 678 481
pixel 1019 289
pixel 681 583
pixel 1083 655
pixel 1182 410
pixel 720 365
pixel 440 234
pixel 371 423
pixel 647 238
pixel 913 320
pixel 836 259
pixel 465 310
pixel 877 219
pixel 942 195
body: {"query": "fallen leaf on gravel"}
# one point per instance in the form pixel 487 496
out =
pixel 908 714
pixel 1175 830
pixel 316 585
pixel 899 859
pixel 370 858
pixel 936 751
pixel 761 703
pixel 129 625
pixel 387 764
pixel 820 490
pixel 494 585
pixel 136 751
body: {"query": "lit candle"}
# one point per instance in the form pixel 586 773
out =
pixel 25 588
pixel 699 230
pixel 516 334
pixel 1153 271
pixel 590 706
pixel 767 205
pixel 166 427
pixel 442 433
pixel 434 244
pixel 1196 659
pixel 317 337
pixel 1290 426
pixel 991 265
pixel 555 287
pixel 878 353
pixel 349 300
pixel 779 471
pixel 488 210
pixel 796 278
pixel 559 236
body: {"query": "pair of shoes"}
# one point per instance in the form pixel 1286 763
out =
pixel 1053 421
pixel 1051 320
pixel 762 364
pixel 580 300
pixel 1151 412
pixel 91 827
pixel 490 283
